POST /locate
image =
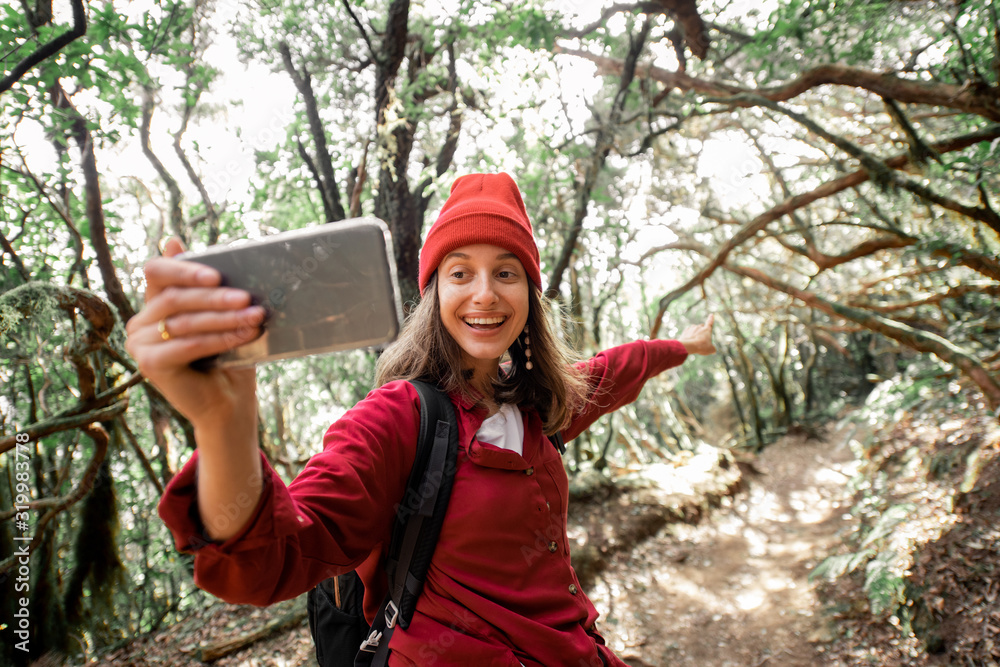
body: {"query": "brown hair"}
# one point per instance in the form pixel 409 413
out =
pixel 426 351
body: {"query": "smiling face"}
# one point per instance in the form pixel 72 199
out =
pixel 483 296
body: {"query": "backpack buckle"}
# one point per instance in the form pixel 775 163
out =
pixel 390 620
pixel 369 645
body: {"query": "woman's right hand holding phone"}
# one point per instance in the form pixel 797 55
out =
pixel 188 316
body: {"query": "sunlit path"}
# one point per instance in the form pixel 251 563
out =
pixel 734 590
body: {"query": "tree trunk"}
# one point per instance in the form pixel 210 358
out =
pixel 333 208
pixel 212 652
pixel 782 417
pixel 732 374
pixel 49 49
pixel 394 202
pixel 174 205
pixel 750 380
pixel 808 372
pixel 94 205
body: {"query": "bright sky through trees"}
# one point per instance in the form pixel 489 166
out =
pixel 251 106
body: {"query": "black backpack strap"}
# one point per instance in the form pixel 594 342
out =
pixel 419 517
pixel 557 440
pixel 421 514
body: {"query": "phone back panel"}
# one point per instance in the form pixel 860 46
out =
pixel 329 287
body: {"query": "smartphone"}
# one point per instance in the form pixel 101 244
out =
pixel 328 287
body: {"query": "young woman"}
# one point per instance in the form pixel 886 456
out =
pixel 500 589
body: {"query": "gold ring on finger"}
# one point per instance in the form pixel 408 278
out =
pixel 162 327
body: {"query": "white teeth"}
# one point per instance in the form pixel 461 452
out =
pixel 485 320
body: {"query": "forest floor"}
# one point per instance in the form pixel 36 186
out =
pixel 718 573
pixel 734 590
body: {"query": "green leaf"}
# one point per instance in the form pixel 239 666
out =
pixel 889 519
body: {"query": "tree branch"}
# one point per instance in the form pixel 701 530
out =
pixel 25 298
pixel 311 166
pixel 50 48
pixel 77 268
pixel 455 115
pixel 986 265
pixel 56 424
pixel 18 264
pixel 750 229
pixel 685 13
pixel 175 214
pixel 143 459
pixel 447 152
pixel 356 184
pixel 886 84
pixel 208 653
pixel 211 215
pixel 333 208
pixel 922 341
pixel 824 261
pixel 602 148
pixel 920 152
pixel 878 170
pixel 956 292
pixel 607 13
pixel 361 28
pixel 687 18
pixel 94 202
pixel 786 192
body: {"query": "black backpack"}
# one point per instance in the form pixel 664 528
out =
pixel 336 618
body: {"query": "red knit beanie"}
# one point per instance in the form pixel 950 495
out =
pixel 482 208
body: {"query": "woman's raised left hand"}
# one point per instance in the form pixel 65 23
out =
pixel 697 338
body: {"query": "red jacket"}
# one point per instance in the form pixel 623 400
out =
pixel 500 589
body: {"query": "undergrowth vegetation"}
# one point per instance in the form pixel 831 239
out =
pixel 915 579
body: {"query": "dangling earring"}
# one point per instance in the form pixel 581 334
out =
pixel 527 349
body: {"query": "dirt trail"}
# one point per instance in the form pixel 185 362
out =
pixel 734 591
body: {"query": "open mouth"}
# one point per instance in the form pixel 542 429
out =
pixel 484 323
